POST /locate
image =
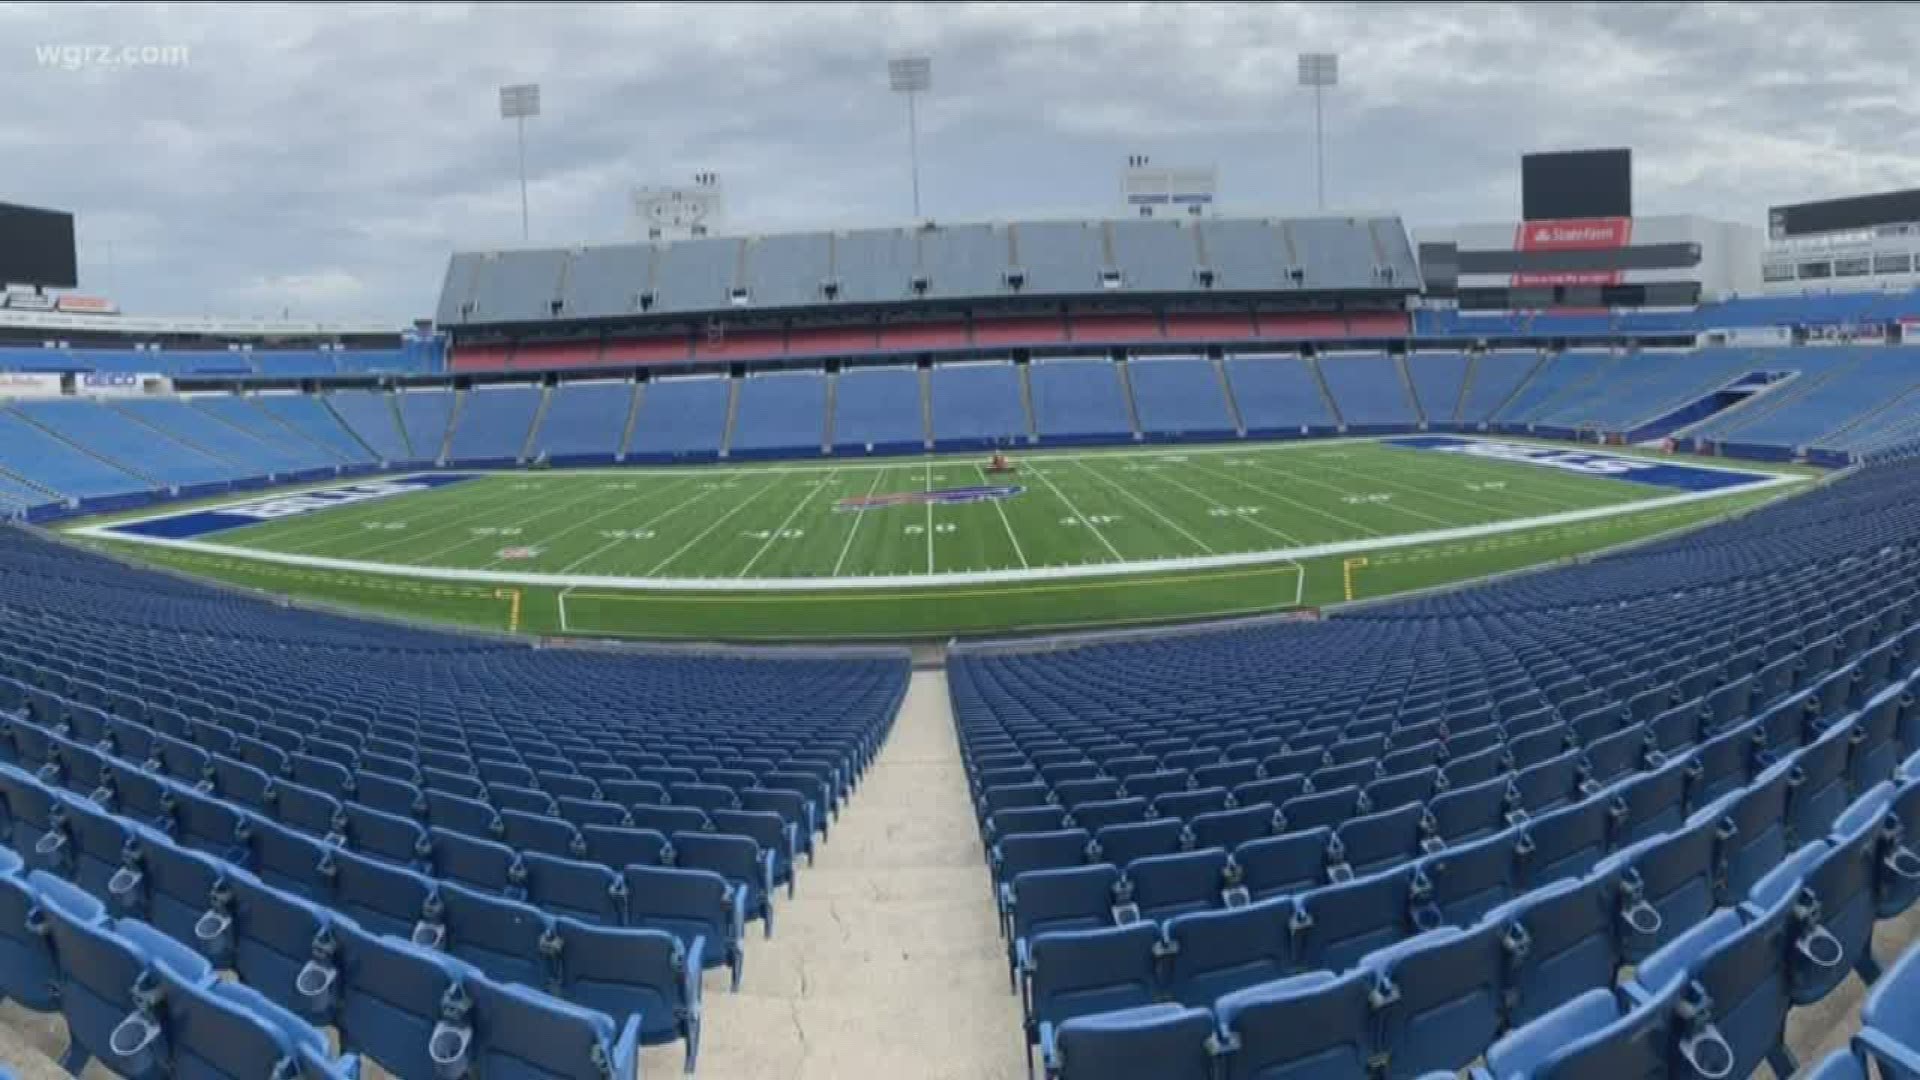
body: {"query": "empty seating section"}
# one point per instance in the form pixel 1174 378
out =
pixel 781 413
pixel 1277 395
pixel 52 462
pixel 1058 257
pixel 976 404
pixel 1567 376
pixel 130 445
pixel 1625 814
pixel 696 275
pixel 600 282
pixel 216 438
pixel 1368 390
pixel 879 407
pixel 1833 393
pixel 1179 396
pixel 1492 379
pixel 270 363
pixel 789 270
pixel 308 417
pixel 370 416
pixel 245 415
pixel 1644 386
pixel 1156 256
pixel 585 421
pixel 1437 382
pixel 494 423
pixel 424 417
pixel 1078 400
pixel 680 417
pixel 519 286
pixel 353 818
pixel 710 274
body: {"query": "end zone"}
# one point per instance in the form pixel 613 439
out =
pixel 1674 475
pixel 184 525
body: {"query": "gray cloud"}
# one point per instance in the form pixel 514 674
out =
pixel 324 160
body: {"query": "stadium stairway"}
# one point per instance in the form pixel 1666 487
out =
pixel 1026 402
pixel 633 418
pixel 1466 387
pixel 539 418
pixel 1326 392
pixel 1126 394
pixel 888 962
pixel 1226 390
pixel 926 406
pixel 1519 389
pixel 1406 382
pixel 733 416
pixel 445 452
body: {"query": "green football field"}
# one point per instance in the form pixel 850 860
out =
pixel 902 547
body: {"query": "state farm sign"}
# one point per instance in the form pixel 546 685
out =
pixel 1573 234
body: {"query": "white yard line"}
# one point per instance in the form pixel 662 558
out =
pixel 649 523
pixel 719 521
pixel 1208 499
pixel 1308 507
pixel 1247 558
pixel 1075 511
pixel 1148 507
pixel 788 520
pixel 1003 518
pixel 1369 478
pixel 858 517
pixel 929 519
pixel 518 523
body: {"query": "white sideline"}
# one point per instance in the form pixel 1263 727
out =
pixel 975 577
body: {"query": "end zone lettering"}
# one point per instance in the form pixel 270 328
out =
pixel 191 523
pixel 308 502
pixel 1570 460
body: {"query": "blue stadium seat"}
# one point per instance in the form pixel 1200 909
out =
pixel 1149 1042
pixel 1596 1036
pixel 1440 1000
pixel 1072 973
pixel 1311 1025
pixel 625 972
pixel 1561 942
pixel 1213 953
pixel 692 905
pixel 1889 1026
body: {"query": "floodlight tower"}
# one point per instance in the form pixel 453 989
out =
pixel 912 76
pixel 1320 71
pixel 517 103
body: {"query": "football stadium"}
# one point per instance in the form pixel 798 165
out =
pixel 1201 636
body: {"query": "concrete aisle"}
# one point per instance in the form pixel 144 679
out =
pixel 888 962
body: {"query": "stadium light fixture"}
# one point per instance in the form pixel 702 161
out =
pixel 517 103
pixel 912 76
pixel 1321 71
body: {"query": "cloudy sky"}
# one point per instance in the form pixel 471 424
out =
pixel 323 161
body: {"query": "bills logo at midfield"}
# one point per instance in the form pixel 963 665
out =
pixel 936 497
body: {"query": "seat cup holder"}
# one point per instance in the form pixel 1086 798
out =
pixel 1707 1051
pixel 133 1041
pixel 447 1047
pixel 1643 918
pixel 123 882
pixel 1904 862
pixel 315 983
pixel 1821 948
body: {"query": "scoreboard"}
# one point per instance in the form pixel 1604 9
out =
pixel 36 247
pixel 1576 184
